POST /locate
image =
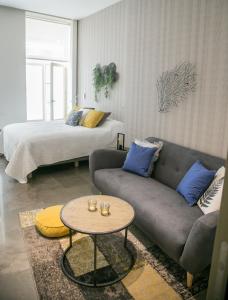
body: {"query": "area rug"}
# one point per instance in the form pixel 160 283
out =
pixel 154 276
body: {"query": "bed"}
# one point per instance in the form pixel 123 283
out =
pixel 32 144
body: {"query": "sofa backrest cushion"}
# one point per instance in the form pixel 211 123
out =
pixel 175 160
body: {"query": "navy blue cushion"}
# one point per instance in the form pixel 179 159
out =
pixel 74 118
pixel 138 160
pixel 195 182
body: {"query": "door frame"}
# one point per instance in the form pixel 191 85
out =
pixel 52 101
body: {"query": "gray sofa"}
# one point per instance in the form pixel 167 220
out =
pixel 184 233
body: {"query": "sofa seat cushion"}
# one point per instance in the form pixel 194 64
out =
pixel 161 212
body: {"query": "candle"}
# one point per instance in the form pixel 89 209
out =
pixel 105 207
pixel 92 205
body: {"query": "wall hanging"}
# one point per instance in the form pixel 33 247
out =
pixel 175 85
pixel 104 78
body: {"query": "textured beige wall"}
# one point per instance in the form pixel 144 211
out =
pixel 145 38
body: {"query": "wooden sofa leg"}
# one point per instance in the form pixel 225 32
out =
pixel 29 176
pixel 189 280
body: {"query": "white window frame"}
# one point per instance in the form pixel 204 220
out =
pixel 52 100
pixel 43 90
pixel 72 60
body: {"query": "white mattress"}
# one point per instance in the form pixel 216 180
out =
pixel 32 144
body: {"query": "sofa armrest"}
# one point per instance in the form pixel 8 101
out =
pixel 106 159
pixel 199 245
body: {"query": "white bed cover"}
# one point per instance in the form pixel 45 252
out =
pixel 32 144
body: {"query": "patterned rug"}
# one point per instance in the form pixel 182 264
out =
pixel 154 275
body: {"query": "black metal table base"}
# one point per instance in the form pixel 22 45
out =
pixel 66 269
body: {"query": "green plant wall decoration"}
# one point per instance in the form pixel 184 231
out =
pixel 104 78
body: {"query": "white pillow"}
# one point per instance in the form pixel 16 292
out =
pixel 147 144
pixel 211 200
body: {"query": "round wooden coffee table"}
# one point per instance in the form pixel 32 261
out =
pixel 76 216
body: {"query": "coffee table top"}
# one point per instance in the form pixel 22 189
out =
pixel 75 215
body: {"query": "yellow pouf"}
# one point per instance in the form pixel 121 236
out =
pixel 49 224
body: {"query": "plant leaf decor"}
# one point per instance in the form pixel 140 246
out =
pixel 175 85
pixel 104 78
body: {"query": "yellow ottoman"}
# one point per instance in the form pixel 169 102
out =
pixel 49 224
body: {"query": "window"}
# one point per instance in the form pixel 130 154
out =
pixel 48 68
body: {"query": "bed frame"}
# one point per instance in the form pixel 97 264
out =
pixel 75 161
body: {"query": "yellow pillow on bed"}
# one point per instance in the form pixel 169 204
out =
pixel 93 118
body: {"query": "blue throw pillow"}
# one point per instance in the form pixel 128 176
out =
pixel 138 160
pixel 195 182
pixel 74 118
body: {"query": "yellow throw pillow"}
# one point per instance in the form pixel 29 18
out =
pixel 93 118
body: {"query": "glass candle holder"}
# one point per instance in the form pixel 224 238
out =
pixel 105 209
pixel 92 205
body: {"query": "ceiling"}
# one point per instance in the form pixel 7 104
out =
pixel 72 9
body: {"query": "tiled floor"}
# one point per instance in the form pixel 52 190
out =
pixel 52 185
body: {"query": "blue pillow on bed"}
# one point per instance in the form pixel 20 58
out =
pixel 74 118
pixel 139 159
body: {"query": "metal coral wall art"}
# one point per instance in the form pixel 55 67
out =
pixel 175 85
pixel 104 78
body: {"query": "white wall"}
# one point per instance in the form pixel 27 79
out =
pixel 145 38
pixel 12 66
